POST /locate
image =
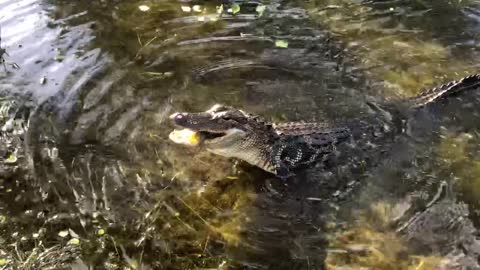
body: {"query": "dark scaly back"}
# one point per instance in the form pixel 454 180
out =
pixel 315 134
pixel 432 95
pixel 268 127
pixel 300 144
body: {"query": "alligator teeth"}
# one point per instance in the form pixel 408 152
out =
pixel 185 136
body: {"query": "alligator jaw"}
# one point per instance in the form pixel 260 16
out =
pixel 203 135
pixel 209 135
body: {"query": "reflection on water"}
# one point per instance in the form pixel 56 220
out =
pixel 89 178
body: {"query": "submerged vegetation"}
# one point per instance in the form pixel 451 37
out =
pixel 406 46
pixel 89 179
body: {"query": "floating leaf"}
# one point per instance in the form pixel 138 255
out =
pixel 281 44
pixel 186 8
pixel 420 265
pixel 74 241
pixel 73 234
pixel 155 73
pixel 59 58
pixel 235 8
pixel 11 159
pixel 101 232
pixel 222 264
pixel 197 8
pixel 3 262
pixel 144 8
pixel 220 9
pixel 260 9
pixel 63 234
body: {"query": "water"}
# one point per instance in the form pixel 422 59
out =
pixel 90 180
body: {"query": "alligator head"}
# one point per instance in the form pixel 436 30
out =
pixel 230 132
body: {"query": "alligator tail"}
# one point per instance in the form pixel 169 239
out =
pixel 432 95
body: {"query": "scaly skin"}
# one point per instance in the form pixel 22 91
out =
pixel 286 147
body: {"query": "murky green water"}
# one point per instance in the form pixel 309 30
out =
pixel 89 180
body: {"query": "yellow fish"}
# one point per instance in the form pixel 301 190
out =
pixel 184 136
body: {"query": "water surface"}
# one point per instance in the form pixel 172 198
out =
pixel 89 178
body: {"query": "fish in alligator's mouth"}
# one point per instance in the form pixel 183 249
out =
pixel 193 138
pixel 281 148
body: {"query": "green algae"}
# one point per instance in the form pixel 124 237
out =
pixel 457 157
pixel 395 44
pixel 370 243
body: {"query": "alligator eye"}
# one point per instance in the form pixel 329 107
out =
pixel 178 118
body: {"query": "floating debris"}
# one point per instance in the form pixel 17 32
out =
pixel 186 9
pixel 260 9
pixel 12 158
pixel 144 8
pixel 59 58
pixel 281 44
pixel 167 74
pixel 197 8
pixel 235 8
pixel 43 80
pixel 220 9
pixel 74 241
pixel 63 234
pixel 73 234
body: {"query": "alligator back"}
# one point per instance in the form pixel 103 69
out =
pixel 363 142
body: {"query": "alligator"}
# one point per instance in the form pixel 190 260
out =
pixel 285 148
